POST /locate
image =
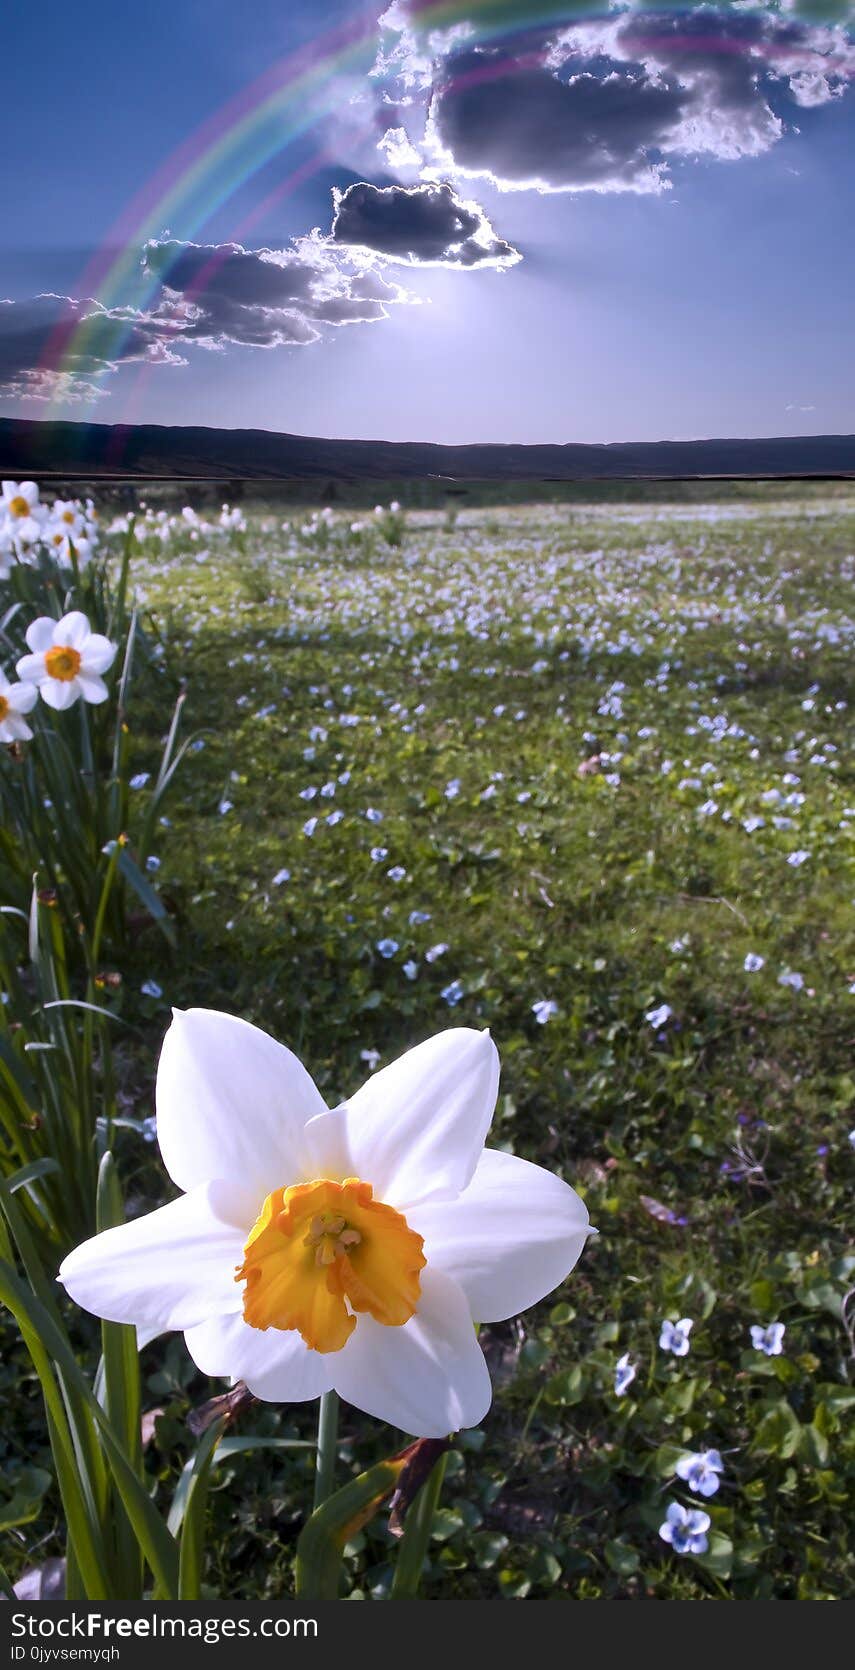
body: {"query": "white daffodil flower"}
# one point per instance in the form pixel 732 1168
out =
pixel 15 700
pixel 66 660
pixel 350 1249
pixel 25 515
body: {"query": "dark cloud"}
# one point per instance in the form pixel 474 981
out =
pixel 264 298
pixel 607 105
pixel 520 124
pixel 205 296
pixel 53 346
pixel 424 225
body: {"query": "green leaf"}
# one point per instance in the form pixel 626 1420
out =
pixel 24 1505
pixel 146 893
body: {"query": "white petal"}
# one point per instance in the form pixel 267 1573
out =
pixel 31 668
pixel 92 688
pixel 60 693
pixel 416 1129
pixel 231 1102
pixel 509 1239
pixel 22 697
pixel 276 1365
pixel 14 729
pixel 39 634
pixel 428 1377
pixel 97 654
pixel 170 1269
pixel 73 629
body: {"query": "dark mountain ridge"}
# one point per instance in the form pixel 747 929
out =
pixel 147 451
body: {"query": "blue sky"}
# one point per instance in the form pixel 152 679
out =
pixel 625 226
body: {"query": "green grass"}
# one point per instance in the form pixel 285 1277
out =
pixel 699 660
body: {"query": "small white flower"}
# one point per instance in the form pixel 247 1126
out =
pixel 625 1373
pixel 66 660
pixel 769 1340
pixel 700 1471
pixel 788 977
pixel 544 1009
pixel 25 515
pixel 685 1529
pixel 15 701
pixel 280 876
pixel 674 1336
pixel 658 1017
pixel 795 859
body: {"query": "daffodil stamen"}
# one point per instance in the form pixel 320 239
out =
pixel 320 1253
pixel 62 662
pixel 19 506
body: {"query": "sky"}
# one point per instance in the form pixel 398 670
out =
pixel 435 220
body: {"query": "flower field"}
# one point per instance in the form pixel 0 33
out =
pixel 576 773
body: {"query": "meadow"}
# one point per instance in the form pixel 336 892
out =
pixel 579 773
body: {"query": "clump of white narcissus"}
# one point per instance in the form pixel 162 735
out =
pixel 349 1249
pixel 66 660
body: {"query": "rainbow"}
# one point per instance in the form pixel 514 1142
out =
pixel 263 121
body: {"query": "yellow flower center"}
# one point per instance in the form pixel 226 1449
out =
pixel 19 506
pixel 320 1253
pixel 68 516
pixel 62 662
pixel 4 708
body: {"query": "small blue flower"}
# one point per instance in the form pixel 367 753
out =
pixel 700 1471
pixel 674 1336
pixel 544 1010
pixel 397 872
pixel 387 947
pixel 768 1340
pixel 452 993
pixel 150 988
pixel 625 1373
pixel 753 962
pixel 657 1018
pixel 373 815
pixel 685 1529
pixel 139 780
pixel 378 854
pixel 152 864
pixel 411 969
pixel 280 876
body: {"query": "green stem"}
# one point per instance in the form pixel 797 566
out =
pixel 417 1533
pixel 327 1443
